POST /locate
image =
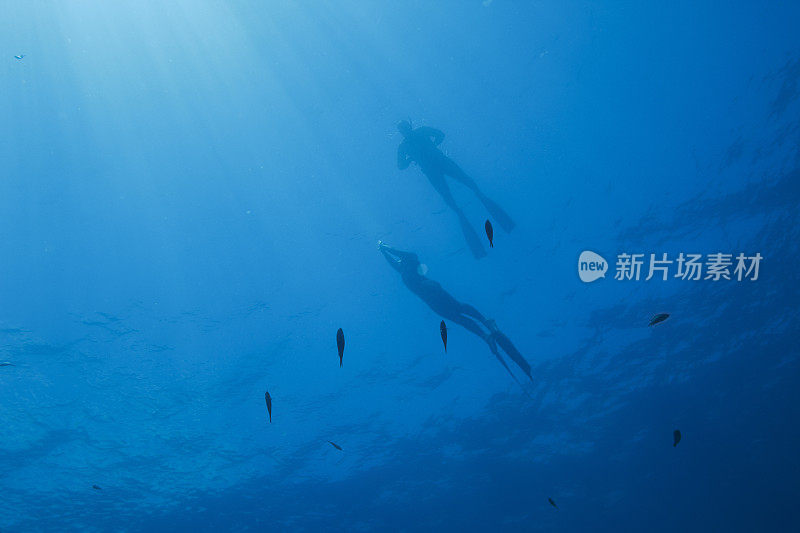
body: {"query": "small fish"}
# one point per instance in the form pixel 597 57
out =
pixel 6 363
pixel 340 344
pixel 489 232
pixel 443 331
pixel 676 437
pixel 268 398
pixel 335 445
pixel 660 317
pixel 96 487
pixel 552 502
pixel 19 56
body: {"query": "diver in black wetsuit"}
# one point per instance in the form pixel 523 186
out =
pixel 421 146
pixel 444 305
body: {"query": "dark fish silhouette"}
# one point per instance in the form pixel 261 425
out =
pixel 96 487
pixel 661 317
pixel 552 502
pixel 268 398
pixel 335 445
pixel 443 331
pixel 19 56
pixel 6 363
pixel 489 232
pixel 340 344
pixel 676 437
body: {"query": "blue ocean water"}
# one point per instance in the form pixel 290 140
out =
pixel 191 196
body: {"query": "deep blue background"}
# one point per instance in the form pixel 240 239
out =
pixel 190 197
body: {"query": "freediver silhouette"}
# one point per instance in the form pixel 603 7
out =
pixel 421 146
pixel 444 305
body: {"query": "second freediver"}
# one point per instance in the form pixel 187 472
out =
pixel 444 305
pixel 421 146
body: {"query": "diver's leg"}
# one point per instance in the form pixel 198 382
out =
pixel 456 312
pixel 474 243
pixel 492 339
pixel 502 218
pixel 449 308
pixel 451 168
pixel 473 327
pixel 467 323
pixel 474 313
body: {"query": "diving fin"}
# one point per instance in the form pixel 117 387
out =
pixel 507 346
pixel 473 241
pixel 498 214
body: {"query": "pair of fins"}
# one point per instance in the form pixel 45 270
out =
pixel 505 343
pixel 512 352
pixel 500 216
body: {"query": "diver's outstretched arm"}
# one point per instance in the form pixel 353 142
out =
pixel 398 259
pixel 395 264
pixel 403 256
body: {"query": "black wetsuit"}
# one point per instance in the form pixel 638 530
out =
pixel 444 305
pixel 421 146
